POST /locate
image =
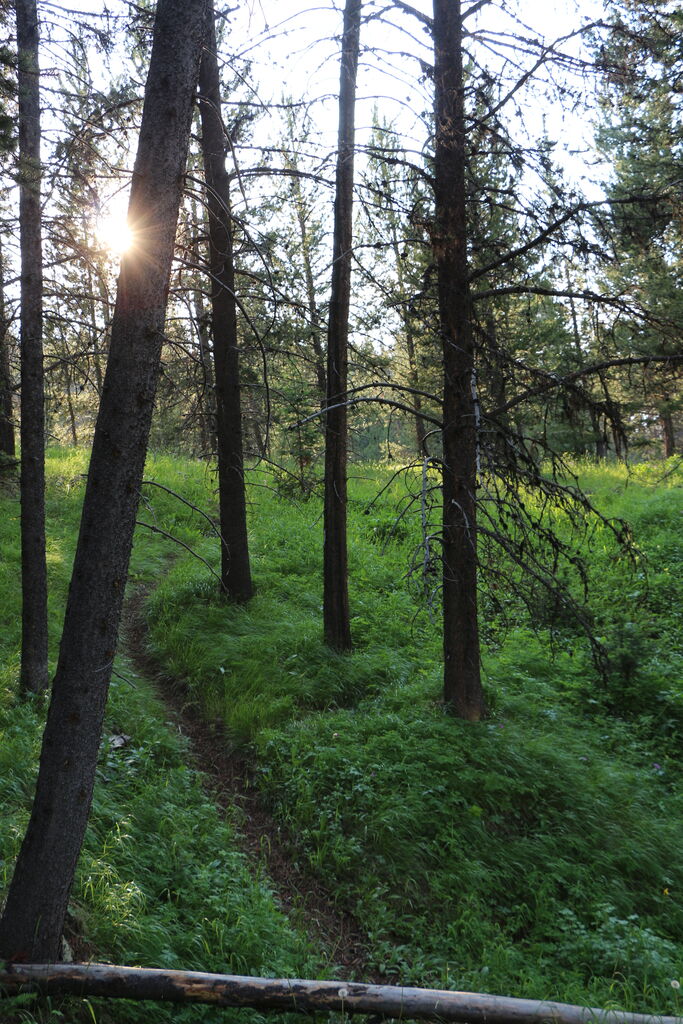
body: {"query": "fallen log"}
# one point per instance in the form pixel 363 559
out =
pixel 301 996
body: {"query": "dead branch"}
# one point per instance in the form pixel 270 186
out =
pixel 297 996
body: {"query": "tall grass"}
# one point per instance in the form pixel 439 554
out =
pixel 537 854
pixel 161 880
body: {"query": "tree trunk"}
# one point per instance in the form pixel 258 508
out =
pixel 337 623
pixel 7 445
pixel 235 569
pixel 296 995
pixel 92 310
pixel 33 918
pixel 668 432
pixel 33 673
pixel 599 435
pixel 70 407
pixel 313 316
pixel 462 683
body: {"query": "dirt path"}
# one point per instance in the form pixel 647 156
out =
pixel 229 778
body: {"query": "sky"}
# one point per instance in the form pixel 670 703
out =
pixel 296 61
pixel 294 47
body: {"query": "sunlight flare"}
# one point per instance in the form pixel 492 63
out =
pixel 115 234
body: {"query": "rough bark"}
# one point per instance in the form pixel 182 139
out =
pixel 462 682
pixel 7 444
pixel 33 673
pixel 300 996
pixel 336 616
pixel 33 918
pixel 235 568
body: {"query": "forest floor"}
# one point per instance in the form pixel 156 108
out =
pixel 227 774
pixel 265 807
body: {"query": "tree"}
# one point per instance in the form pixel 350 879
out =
pixel 7 446
pixel 7 144
pixel 80 281
pixel 639 133
pixel 462 682
pixel 235 569
pixel 336 616
pixel 33 918
pixel 502 253
pixel 396 202
pixel 33 671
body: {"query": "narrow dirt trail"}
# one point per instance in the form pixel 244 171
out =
pixel 229 779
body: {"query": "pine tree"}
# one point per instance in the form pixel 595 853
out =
pixel 639 133
pixel 33 918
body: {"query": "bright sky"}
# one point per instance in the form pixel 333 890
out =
pixel 301 58
pixel 295 48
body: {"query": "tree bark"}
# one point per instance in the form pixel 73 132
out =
pixel 294 995
pixel 462 682
pixel 7 444
pixel 33 919
pixel 33 673
pixel 235 568
pixel 336 616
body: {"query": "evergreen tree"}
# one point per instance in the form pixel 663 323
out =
pixel 33 918
pixel 235 568
pixel 34 671
pixel 336 616
pixel 639 133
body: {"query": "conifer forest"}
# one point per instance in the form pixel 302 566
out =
pixel 341 511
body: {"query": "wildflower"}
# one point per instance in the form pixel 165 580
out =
pixel 665 892
pixel 675 983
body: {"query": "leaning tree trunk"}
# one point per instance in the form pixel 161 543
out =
pixel 33 674
pixel 336 617
pixel 235 570
pixel 7 445
pixel 33 918
pixel 462 681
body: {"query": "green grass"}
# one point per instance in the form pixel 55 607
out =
pixel 161 880
pixel 536 854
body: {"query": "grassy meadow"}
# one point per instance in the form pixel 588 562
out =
pixel 537 854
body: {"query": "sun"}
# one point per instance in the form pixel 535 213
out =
pixel 114 233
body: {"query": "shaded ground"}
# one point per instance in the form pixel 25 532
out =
pixel 229 777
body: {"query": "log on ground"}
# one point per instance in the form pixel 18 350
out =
pixel 301 996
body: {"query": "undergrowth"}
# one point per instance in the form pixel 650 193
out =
pixel 161 880
pixel 536 854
